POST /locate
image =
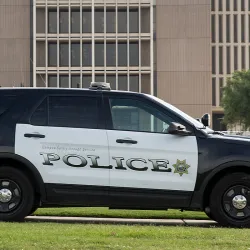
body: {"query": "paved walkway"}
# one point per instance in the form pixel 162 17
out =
pixel 160 222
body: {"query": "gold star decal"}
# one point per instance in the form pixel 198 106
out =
pixel 181 167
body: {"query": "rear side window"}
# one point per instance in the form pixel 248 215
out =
pixel 6 102
pixel 67 111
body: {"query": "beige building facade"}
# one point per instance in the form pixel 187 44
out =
pixel 179 50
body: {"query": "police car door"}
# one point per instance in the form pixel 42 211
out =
pixel 147 162
pixel 66 143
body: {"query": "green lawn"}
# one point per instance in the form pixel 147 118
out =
pixel 105 212
pixel 79 236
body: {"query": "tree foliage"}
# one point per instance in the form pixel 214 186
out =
pixel 236 99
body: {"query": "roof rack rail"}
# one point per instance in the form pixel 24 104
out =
pixel 100 85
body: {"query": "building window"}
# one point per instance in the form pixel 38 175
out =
pixel 220 29
pixel 63 81
pixel 64 21
pixel 213 91
pixel 235 58
pixel 110 21
pixel 112 80
pixel 99 20
pixel 123 82
pixel 243 57
pixel 213 28
pixel 86 80
pixel 221 60
pixel 75 54
pixel 228 28
pixel 228 5
pixel 64 54
pixel 111 54
pixel 86 21
pixel 243 5
pixel 52 81
pixel 87 54
pixel 75 21
pixel 213 5
pixel 99 78
pixel 52 54
pixel 133 21
pixel 220 5
pixel 134 83
pixel 145 20
pixel 122 54
pixel 75 81
pixel 213 60
pixel 235 5
pixel 235 28
pixel 52 21
pixel 243 28
pixel 134 54
pixel 228 60
pixel 99 54
pixel 221 89
pixel 122 20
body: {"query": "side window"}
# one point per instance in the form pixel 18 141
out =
pixel 6 102
pixel 40 116
pixel 133 115
pixel 73 111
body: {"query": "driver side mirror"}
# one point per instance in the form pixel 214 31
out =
pixel 177 129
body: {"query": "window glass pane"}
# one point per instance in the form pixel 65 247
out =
pixel 213 60
pixel 52 54
pixel 235 5
pixel 213 28
pixel 52 21
pixel 243 58
pixel 220 60
pixel 145 20
pixel 243 5
pixel 78 112
pixel 86 80
pixel 86 21
pixel 221 89
pixel 228 5
pixel 220 29
pixel 99 78
pixel 99 20
pixel 213 5
pixel 40 116
pixel 235 29
pixel 112 80
pixel 110 16
pixel 64 54
pixel 110 54
pixel 75 21
pixel 220 5
pixel 243 28
pixel 64 21
pixel 75 54
pixel 213 92
pixel 133 21
pixel 122 21
pixel 75 81
pixel 235 58
pixel 134 54
pixel 122 54
pixel 52 81
pixel 99 54
pixel 228 28
pixel 87 54
pixel 134 83
pixel 133 115
pixel 64 81
pixel 6 102
pixel 228 60
pixel 122 82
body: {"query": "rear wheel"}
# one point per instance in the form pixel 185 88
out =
pixel 230 200
pixel 16 194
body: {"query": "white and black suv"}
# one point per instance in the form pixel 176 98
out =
pixel 97 147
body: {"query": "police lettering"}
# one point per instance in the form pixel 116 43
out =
pixel 158 165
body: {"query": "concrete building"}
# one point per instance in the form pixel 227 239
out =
pixel 180 50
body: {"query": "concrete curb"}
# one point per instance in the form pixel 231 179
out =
pixel 92 220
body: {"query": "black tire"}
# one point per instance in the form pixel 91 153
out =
pixel 22 194
pixel 225 191
pixel 34 207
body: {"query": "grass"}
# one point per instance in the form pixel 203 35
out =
pixel 93 237
pixel 105 212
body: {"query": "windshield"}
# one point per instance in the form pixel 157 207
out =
pixel 196 123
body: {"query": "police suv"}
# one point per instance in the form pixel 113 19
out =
pixel 97 147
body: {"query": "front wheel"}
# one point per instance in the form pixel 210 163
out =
pixel 230 200
pixel 16 194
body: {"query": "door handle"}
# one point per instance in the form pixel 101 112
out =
pixel 34 135
pixel 128 141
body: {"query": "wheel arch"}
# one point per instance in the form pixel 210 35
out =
pixel 220 172
pixel 25 165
